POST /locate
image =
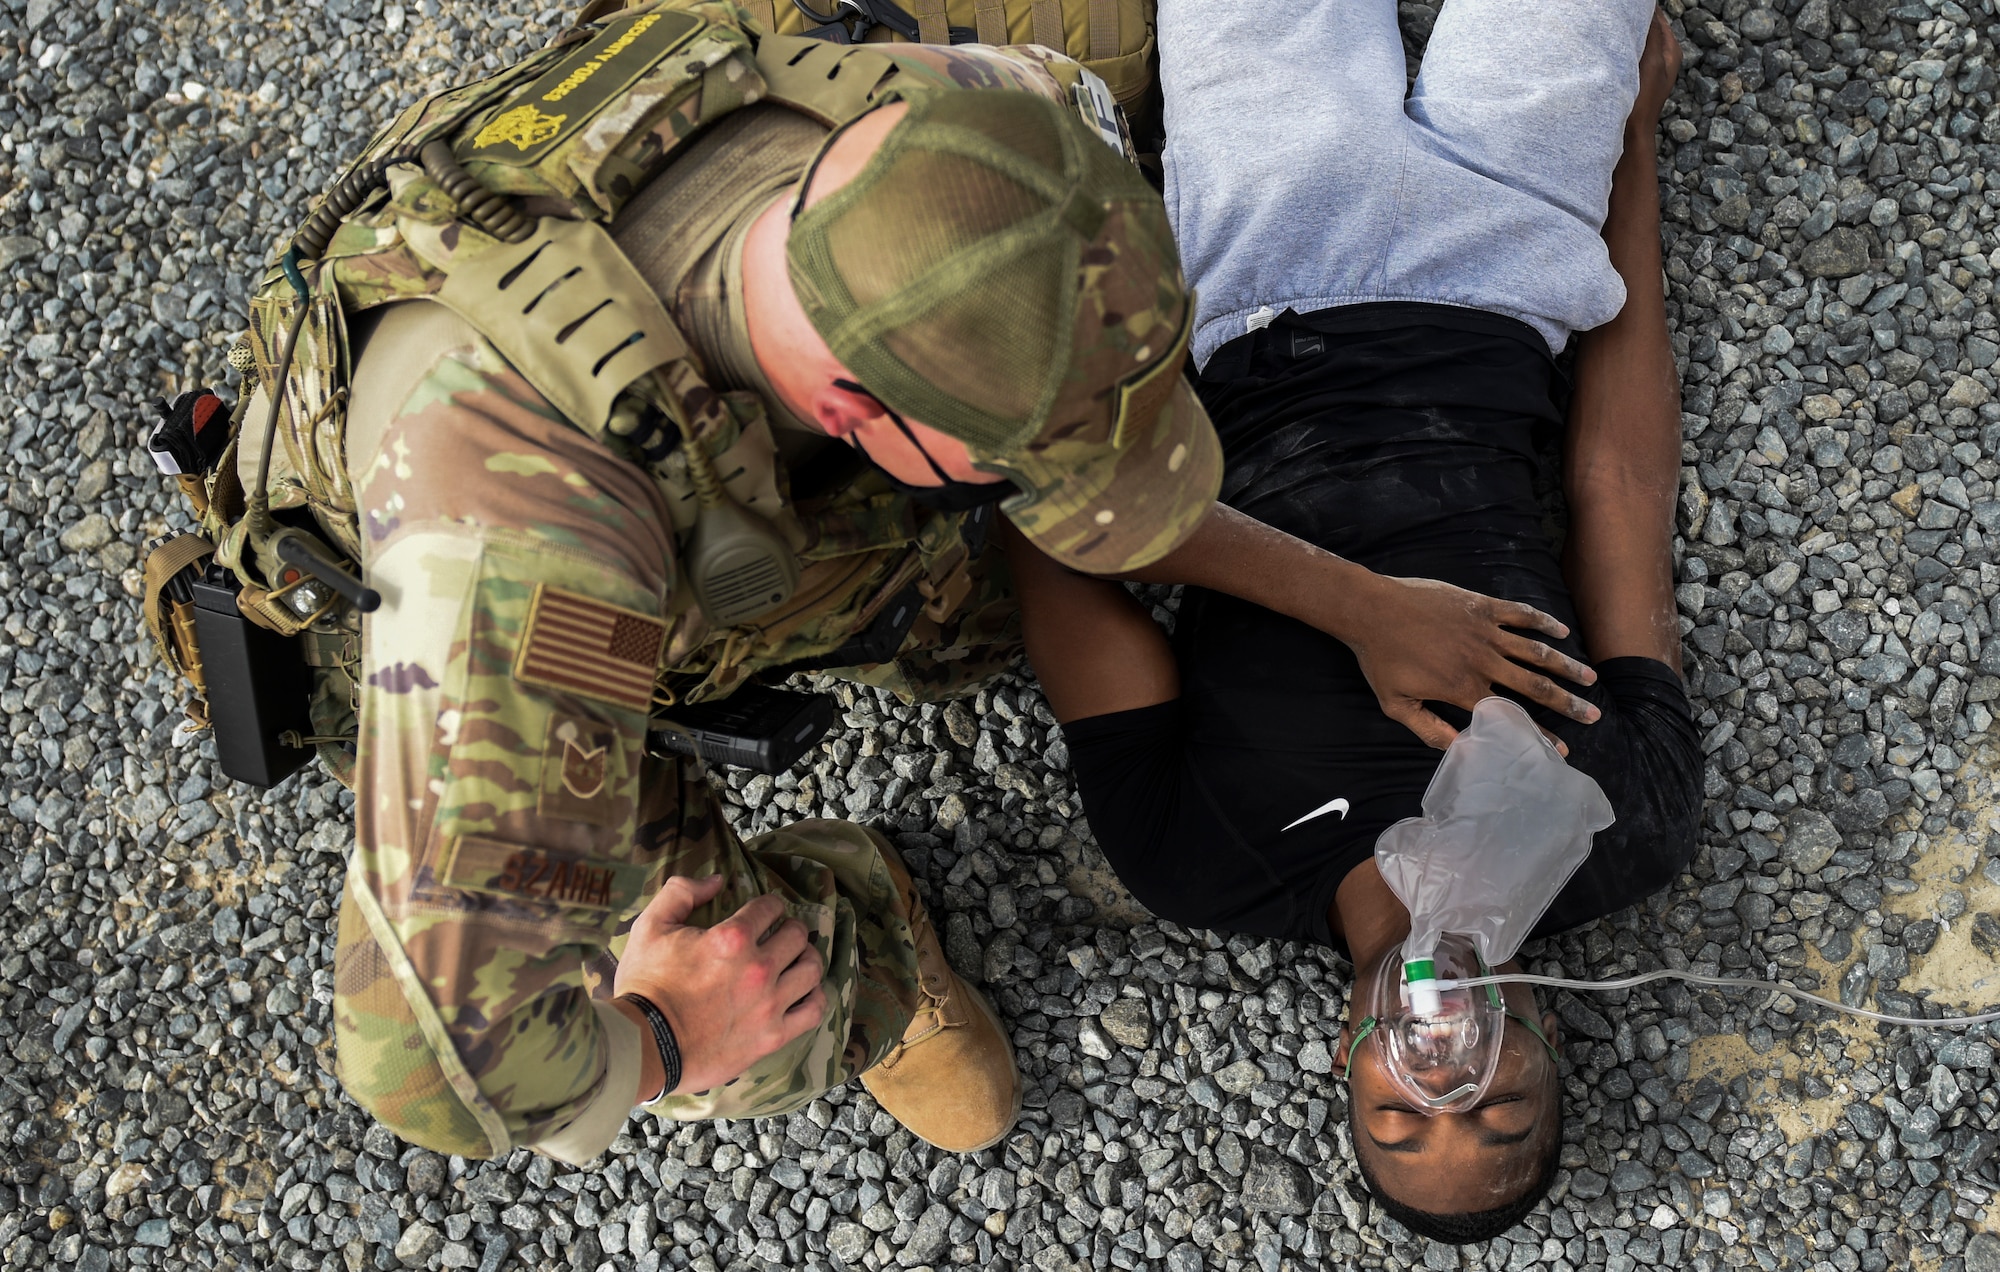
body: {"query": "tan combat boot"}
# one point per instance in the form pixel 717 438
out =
pixel 951 1081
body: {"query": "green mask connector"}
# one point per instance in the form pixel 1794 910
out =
pixel 1420 978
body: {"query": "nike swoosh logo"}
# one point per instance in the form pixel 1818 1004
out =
pixel 1331 806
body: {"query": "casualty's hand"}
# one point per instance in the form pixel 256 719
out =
pixel 734 993
pixel 1429 641
pixel 1659 67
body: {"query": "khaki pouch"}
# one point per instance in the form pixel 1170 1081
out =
pixel 171 622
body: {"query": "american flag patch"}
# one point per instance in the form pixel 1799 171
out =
pixel 591 649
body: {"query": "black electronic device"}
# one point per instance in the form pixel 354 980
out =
pixel 976 528
pixel 302 551
pixel 883 637
pixel 852 20
pixel 757 727
pixel 258 686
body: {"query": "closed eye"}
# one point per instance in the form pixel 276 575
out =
pixel 1511 1097
pixel 1489 1138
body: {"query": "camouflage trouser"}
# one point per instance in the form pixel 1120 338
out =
pixel 833 878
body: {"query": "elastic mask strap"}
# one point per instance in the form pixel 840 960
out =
pixel 812 169
pixel 1493 997
pixel 1492 991
pixel 1360 1035
pixel 1536 1030
pixel 944 478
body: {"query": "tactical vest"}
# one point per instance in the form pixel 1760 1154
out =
pixel 1113 39
pixel 540 157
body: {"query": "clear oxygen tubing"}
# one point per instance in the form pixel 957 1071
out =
pixel 1722 982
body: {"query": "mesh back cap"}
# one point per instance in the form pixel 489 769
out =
pixel 998 273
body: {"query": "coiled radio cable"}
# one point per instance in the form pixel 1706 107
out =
pixel 493 212
pixel 488 209
pixel 353 189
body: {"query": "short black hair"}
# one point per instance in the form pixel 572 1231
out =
pixel 1478 1225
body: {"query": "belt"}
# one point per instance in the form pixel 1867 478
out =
pixel 1297 336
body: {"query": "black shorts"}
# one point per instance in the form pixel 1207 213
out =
pixel 1408 445
pixel 1190 814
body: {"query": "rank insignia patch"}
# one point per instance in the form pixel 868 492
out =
pixel 585 647
pixel 583 769
pixel 583 772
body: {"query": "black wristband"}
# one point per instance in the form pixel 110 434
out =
pixel 663 1038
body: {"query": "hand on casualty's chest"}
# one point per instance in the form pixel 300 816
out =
pixel 731 997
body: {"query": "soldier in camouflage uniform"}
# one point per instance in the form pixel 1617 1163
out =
pixel 964 285
pixel 513 830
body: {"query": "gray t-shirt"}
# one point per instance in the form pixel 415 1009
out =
pixel 1303 171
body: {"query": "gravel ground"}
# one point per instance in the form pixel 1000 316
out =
pixel 166 1098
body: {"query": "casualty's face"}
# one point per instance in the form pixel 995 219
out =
pixel 1456 1162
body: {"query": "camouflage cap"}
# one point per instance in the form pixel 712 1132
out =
pixel 1000 274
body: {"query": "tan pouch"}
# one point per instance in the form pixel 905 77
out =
pixel 1113 38
pixel 171 622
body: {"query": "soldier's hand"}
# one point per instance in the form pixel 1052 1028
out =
pixel 1417 640
pixel 1430 641
pixel 735 992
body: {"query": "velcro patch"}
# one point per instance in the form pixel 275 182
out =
pixel 582 764
pixel 544 875
pixel 1140 398
pixel 578 86
pixel 585 647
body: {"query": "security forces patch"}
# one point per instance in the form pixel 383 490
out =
pixel 578 86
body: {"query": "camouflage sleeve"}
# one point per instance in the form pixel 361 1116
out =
pixel 508 820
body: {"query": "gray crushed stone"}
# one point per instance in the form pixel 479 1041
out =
pixel 166 1089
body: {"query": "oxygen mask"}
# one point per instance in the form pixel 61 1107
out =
pixel 1506 823
pixel 1440 1055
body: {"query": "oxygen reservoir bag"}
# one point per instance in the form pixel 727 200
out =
pixel 1506 823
